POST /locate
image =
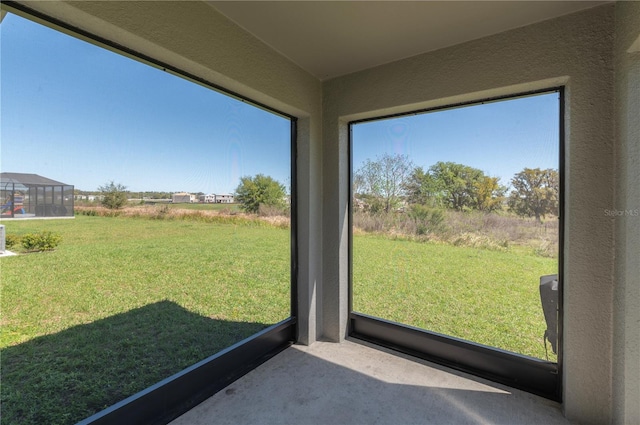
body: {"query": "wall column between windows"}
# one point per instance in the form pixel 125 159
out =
pixel 309 189
pixel 335 291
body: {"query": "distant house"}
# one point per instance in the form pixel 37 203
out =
pixel 30 195
pixel 183 198
pixel 93 198
pixel 208 199
pixel 224 199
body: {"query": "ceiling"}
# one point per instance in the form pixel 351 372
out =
pixel 333 38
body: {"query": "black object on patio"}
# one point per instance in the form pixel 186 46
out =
pixel 549 299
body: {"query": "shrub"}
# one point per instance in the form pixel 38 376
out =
pixel 261 189
pixel 113 195
pixel 11 240
pixel 427 219
pixel 42 241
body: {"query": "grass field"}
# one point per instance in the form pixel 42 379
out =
pixel 485 296
pixel 127 301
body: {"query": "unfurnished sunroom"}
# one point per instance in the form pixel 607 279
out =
pixel 591 55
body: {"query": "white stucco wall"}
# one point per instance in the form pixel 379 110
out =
pixel 575 50
pixel 194 37
pixel 626 349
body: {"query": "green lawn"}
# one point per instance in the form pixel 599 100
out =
pixel 125 302
pixel 490 297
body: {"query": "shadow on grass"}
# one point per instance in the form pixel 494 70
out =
pixel 65 377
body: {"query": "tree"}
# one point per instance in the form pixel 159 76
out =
pixel 113 195
pixel 381 182
pixel 422 189
pixel 535 192
pixel 259 190
pixel 489 194
pixel 458 183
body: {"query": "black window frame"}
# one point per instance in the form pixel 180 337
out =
pixel 533 375
pixel 177 394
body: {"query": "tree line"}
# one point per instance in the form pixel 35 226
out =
pixel 251 193
pixel 130 193
pixel 391 181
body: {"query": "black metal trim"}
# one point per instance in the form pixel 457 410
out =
pixel 561 238
pixel 173 396
pixel 460 105
pixel 526 373
pixel 293 213
pixel 350 222
pixel 29 13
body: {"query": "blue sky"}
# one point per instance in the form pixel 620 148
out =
pixel 499 138
pixel 83 115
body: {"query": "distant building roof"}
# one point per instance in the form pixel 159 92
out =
pixel 28 180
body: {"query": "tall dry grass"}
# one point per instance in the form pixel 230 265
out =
pixel 164 212
pixel 495 231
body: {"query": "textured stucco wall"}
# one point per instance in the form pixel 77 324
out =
pixel 626 383
pixel 575 50
pixel 196 38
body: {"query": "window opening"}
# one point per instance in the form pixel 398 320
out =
pixel 456 224
pixel 146 280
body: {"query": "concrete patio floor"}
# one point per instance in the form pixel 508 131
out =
pixel 357 383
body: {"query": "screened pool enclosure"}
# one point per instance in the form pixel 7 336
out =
pixel 30 195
